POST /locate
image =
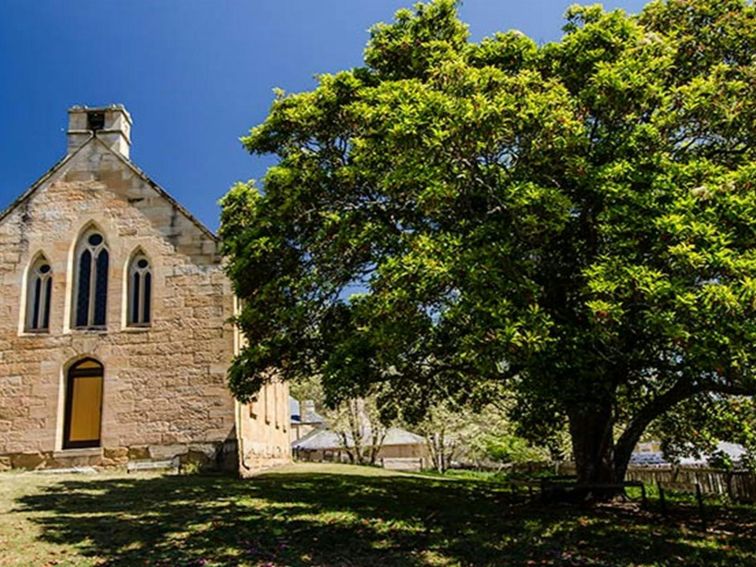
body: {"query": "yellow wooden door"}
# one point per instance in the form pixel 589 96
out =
pixel 86 405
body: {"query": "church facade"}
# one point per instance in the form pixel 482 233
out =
pixel 115 332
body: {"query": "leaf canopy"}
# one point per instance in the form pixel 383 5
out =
pixel 575 219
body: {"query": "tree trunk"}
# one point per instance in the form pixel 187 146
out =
pixel 593 444
pixel 378 439
pixel 624 450
pixel 653 409
pixel 435 443
pixel 597 459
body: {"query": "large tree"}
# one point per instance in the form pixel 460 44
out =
pixel 575 220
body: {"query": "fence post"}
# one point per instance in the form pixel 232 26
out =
pixel 699 497
pixel 662 500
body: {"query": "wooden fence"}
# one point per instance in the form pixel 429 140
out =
pixel 412 464
pixel 737 485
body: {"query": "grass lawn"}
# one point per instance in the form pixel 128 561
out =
pixel 339 515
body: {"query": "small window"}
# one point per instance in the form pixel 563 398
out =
pixel 38 296
pixel 140 291
pixel 91 289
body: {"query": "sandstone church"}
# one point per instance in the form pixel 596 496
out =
pixel 114 322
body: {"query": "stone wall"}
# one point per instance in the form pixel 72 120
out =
pixel 164 390
pixel 264 429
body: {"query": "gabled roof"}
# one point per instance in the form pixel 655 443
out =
pixel 319 439
pixel 131 165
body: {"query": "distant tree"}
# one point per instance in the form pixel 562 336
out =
pixel 309 388
pixel 509 448
pixel 359 423
pixel 575 220
pixel 474 434
pixel 360 427
pixel 450 431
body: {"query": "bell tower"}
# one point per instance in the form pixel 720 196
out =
pixel 110 124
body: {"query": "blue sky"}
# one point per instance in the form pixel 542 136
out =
pixel 195 75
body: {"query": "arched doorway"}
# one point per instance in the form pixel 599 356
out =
pixel 83 405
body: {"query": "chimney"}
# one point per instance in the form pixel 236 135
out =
pixel 110 124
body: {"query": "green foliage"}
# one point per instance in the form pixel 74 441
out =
pixel 575 220
pixel 512 449
pixel 694 428
pixel 309 389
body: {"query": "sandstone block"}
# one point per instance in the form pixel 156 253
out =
pixel 159 452
pixel 136 453
pixel 116 453
pixel 28 461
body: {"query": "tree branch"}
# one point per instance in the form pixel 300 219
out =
pixel 681 391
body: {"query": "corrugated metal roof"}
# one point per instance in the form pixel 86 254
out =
pixel 323 439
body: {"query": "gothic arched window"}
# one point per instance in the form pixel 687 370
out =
pixel 38 296
pixel 140 291
pixel 91 289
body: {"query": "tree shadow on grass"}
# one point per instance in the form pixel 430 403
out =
pixel 297 519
